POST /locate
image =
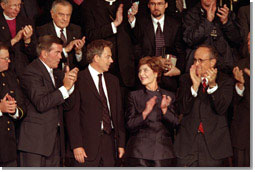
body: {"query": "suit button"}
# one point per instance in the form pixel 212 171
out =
pixel 8 129
pixel 8 122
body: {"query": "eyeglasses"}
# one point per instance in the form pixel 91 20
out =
pixel 158 4
pixel 200 60
pixel 5 58
pixel 13 6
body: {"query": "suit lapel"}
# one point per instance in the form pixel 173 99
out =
pixel 69 34
pixel 5 28
pixel 43 69
pixel 150 32
pixel 91 84
pixel 107 16
pixel 110 91
pixel 167 30
pixel 52 29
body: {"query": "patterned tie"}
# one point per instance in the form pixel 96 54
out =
pixel 204 85
pixel 160 41
pixel 106 115
pixel 62 36
pixel 78 2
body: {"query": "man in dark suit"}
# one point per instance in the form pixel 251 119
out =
pixel 73 51
pixel 103 19
pixel 12 108
pixel 95 125
pixel 41 137
pixel 17 32
pixel 240 126
pixel 160 34
pixel 205 94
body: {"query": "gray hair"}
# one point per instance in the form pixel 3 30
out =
pixel 60 2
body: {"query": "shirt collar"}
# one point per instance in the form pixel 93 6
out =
pixel 161 21
pixel 50 70
pixel 206 80
pixel 8 18
pixel 93 72
pixel 110 1
pixel 58 28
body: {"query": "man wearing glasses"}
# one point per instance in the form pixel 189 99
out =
pixel 17 32
pixel 204 97
pixel 12 108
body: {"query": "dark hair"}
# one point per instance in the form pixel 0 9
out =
pixel 3 46
pixel 213 52
pixel 154 63
pixel 45 43
pixel 96 48
pixel 60 2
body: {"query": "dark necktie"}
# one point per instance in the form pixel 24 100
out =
pixel 160 41
pixel 62 36
pixel 106 115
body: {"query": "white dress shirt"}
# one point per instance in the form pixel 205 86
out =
pixel 209 90
pixel 65 93
pixel 239 91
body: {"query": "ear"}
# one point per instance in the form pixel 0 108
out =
pixel 155 74
pixel 52 13
pixel 96 58
pixel 3 5
pixel 166 5
pixel 44 54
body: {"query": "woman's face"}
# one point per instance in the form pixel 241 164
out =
pixel 146 75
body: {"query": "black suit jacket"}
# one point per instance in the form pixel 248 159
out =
pixel 150 138
pixel 145 36
pixel 240 126
pixel 73 32
pixel 20 54
pixel 45 110
pixel 83 122
pixel 96 19
pixel 8 146
pixel 211 110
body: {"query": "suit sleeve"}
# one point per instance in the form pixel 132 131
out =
pixel 38 93
pixel 72 118
pixel 134 118
pixel 185 99
pixel 222 97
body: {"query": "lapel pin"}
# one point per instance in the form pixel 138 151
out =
pixel 3 27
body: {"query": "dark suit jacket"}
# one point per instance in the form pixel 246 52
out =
pixel 211 110
pixel 73 32
pixel 150 138
pixel 96 19
pixel 83 122
pixel 240 126
pixel 20 55
pixel 39 128
pixel 8 148
pixel 145 36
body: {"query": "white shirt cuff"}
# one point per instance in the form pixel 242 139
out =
pixel 65 53
pixel 78 57
pixel 132 24
pixel 238 91
pixel 64 92
pixel 114 28
pixel 212 90
pixel 16 114
pixel 1 114
pixel 193 92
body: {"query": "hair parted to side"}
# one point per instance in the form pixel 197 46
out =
pixel 60 2
pixel 96 48
pixel 4 1
pixel 3 46
pixel 46 41
pixel 213 52
pixel 154 63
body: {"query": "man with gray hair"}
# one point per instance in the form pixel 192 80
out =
pixel 17 32
pixel 73 48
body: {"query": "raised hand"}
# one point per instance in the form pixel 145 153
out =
pixel 149 106
pixel 196 79
pixel 27 33
pixel 211 11
pixel 165 102
pixel 238 75
pixel 132 12
pixel 70 77
pixel 211 75
pixel 17 38
pixel 79 154
pixel 247 71
pixel 121 152
pixel 8 106
pixel 223 14
pixel 79 44
pixel 119 16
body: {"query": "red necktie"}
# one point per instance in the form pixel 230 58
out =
pixel 78 2
pixel 204 84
